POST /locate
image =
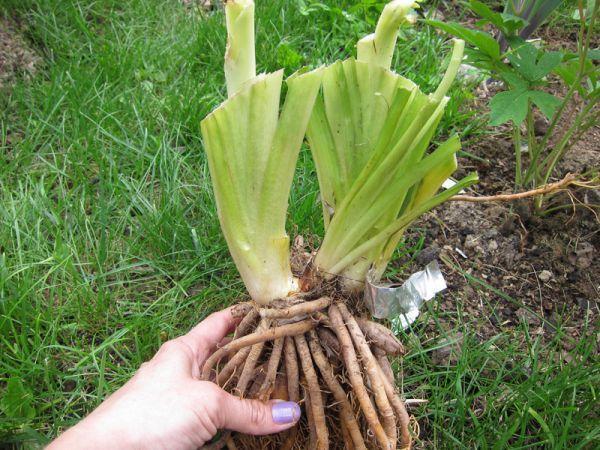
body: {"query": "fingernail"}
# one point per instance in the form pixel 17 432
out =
pixel 285 412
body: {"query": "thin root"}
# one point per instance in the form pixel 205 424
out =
pixel 269 383
pixel 296 310
pixel 384 363
pixel 375 375
pixel 380 336
pixel 314 393
pixel 355 375
pixel 327 373
pixel 271 334
pixel 228 370
pixel 250 364
pixel 400 410
pixel 246 324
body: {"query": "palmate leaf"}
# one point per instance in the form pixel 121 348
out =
pixel 509 105
pixel 513 105
pixel 534 64
pixel 547 103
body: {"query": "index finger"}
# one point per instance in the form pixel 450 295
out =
pixel 204 337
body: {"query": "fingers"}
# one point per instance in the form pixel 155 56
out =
pixel 207 334
pixel 226 340
pixel 255 417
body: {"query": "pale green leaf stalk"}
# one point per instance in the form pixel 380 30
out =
pixel 378 48
pixel 252 151
pixel 369 134
pixel 240 58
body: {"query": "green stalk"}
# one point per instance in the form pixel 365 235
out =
pixel 458 51
pixel 583 48
pixel 252 151
pixel 240 59
pixel 556 154
pixel 429 186
pixel 369 134
pixel 402 222
pixel 372 202
pixel 365 203
pixel 378 48
pixel 518 158
pixel 551 160
pixel 531 141
pixel 549 164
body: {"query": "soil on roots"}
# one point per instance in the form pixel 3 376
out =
pixel 322 352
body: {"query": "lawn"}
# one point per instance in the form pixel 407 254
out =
pixel 110 243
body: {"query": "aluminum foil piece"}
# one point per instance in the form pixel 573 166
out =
pixel 402 303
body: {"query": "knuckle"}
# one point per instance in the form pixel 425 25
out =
pixel 143 370
pixel 172 344
pixel 257 414
pixel 217 395
pixel 216 401
pixel 169 346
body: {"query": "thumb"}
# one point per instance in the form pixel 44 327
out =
pixel 258 418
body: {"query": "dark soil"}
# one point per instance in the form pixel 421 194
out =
pixel 546 267
pixel 16 56
pixel 545 270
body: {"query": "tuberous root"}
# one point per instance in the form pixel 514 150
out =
pixel 318 354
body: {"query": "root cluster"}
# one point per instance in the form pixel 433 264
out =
pixel 319 354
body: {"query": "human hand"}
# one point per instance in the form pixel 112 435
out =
pixel 165 405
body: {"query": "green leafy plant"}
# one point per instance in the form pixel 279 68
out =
pixel 252 152
pixel 525 67
pixel 370 133
pixel 369 136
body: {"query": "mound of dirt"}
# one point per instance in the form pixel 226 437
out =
pixel 16 56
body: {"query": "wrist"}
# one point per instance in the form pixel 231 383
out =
pixel 93 433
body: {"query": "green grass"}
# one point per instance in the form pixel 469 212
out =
pixel 510 391
pixel 109 240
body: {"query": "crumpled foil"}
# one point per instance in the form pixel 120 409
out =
pixel 402 303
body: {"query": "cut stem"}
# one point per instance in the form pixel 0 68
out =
pixel 378 48
pixel 240 58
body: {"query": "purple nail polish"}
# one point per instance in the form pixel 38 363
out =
pixel 285 412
